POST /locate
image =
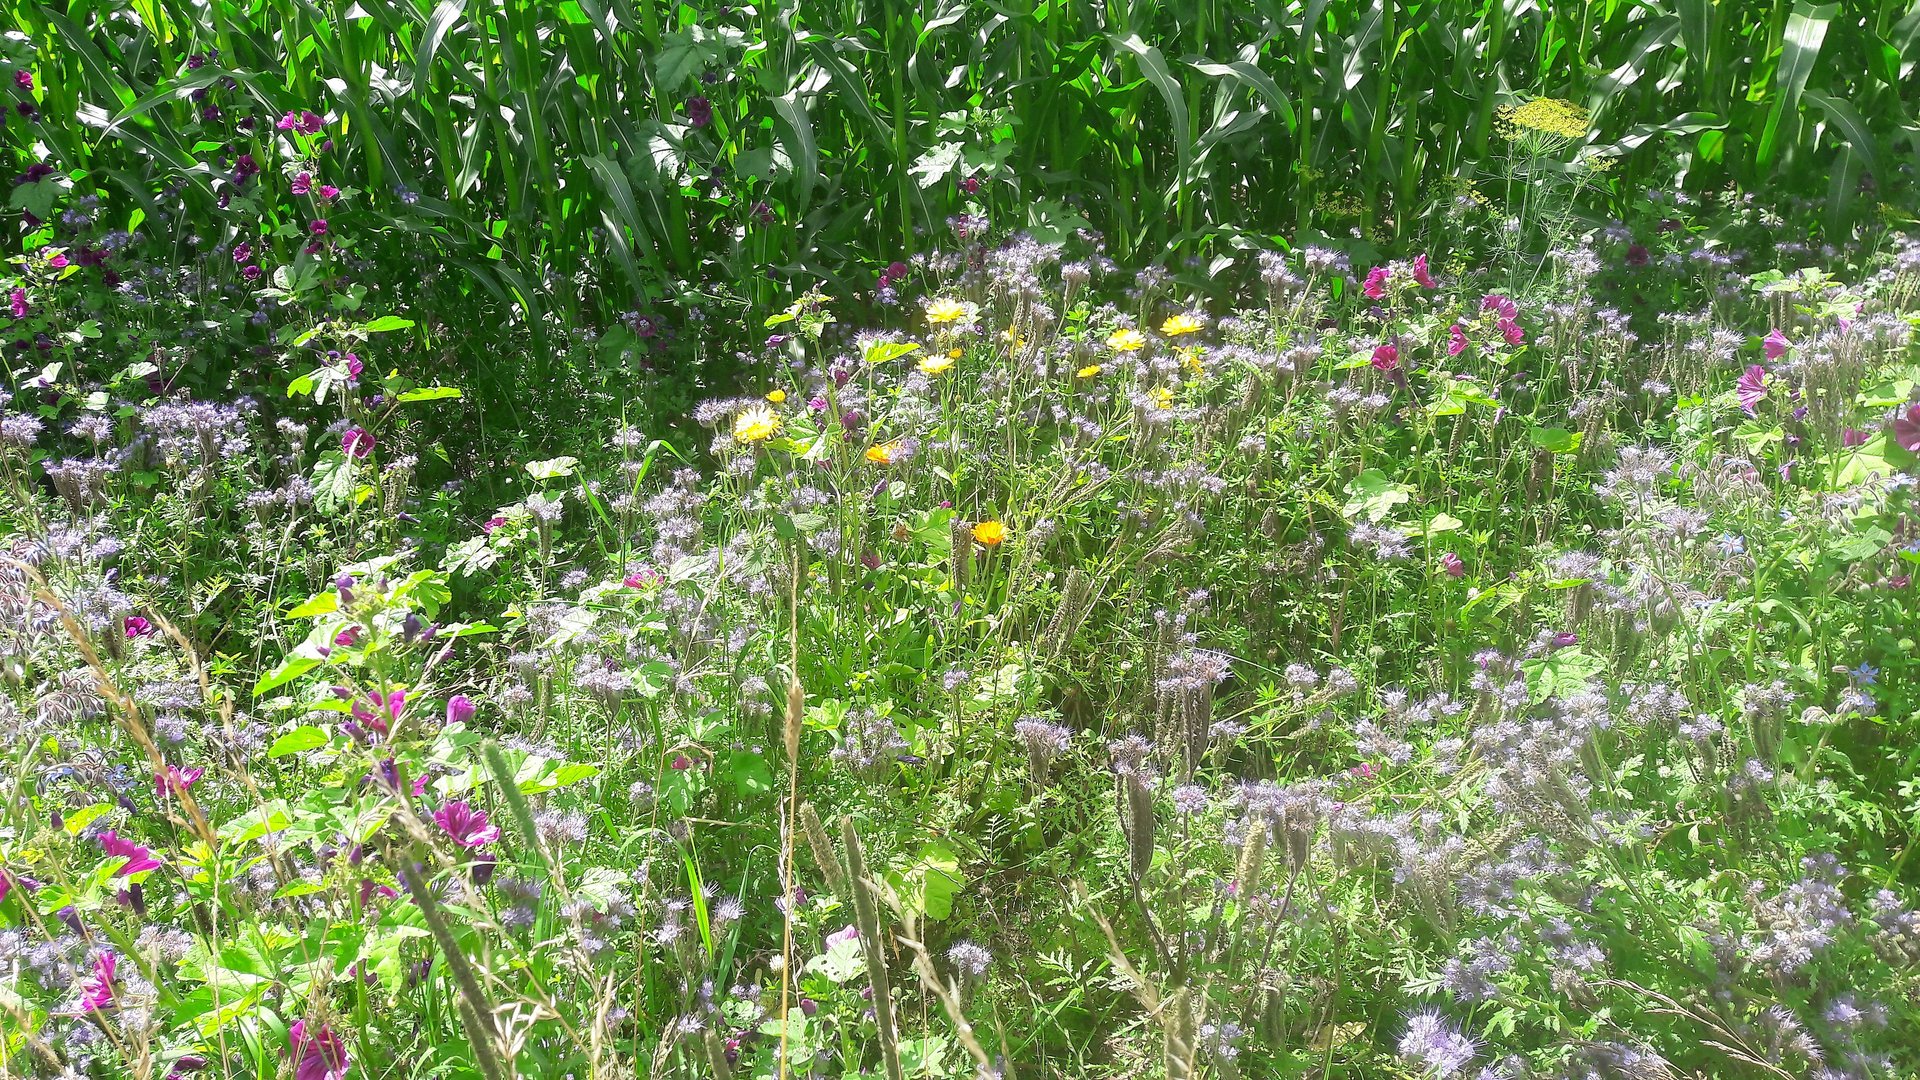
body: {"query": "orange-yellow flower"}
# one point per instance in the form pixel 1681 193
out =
pixel 882 453
pixel 756 423
pixel 776 396
pixel 1183 323
pixel 1088 372
pixel 1126 340
pixel 946 312
pixel 1162 397
pixel 989 533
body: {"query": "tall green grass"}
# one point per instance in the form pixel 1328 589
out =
pixel 531 141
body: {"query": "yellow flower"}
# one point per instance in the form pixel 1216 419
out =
pixel 935 363
pixel 1088 372
pixel 1126 340
pixel 882 453
pixel 1162 397
pixel 756 423
pixel 1191 358
pixel 956 353
pixel 1013 339
pixel 989 533
pixel 776 396
pixel 943 312
pixel 1182 323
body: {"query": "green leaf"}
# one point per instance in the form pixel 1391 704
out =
pixel 929 884
pixel 385 323
pixel 1373 495
pixel 298 740
pixel 552 468
pixel 752 776
pixel 1555 440
pixel 290 669
pixel 882 351
pixel 430 393
pixel 320 603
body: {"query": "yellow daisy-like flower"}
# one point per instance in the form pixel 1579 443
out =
pixel 1162 397
pixel 945 312
pixel 1088 372
pixel 935 363
pixel 956 353
pixel 1191 358
pixel 989 533
pixel 882 453
pixel 1126 340
pixel 776 396
pixel 756 423
pixel 1183 323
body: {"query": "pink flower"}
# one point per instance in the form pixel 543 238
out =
pixel 356 442
pixel 1376 286
pixel 1751 387
pixel 288 120
pixel 379 712
pixel 318 226
pixel 242 251
pixel 1386 358
pixel 138 858
pixel 1456 340
pixel 1366 770
pixel 354 366
pixel 19 307
pixel 468 827
pixel 97 992
pixel 302 183
pixel 1776 344
pixel 347 638
pixel 317 1055
pixel 176 780
pixel 491 524
pixel 681 763
pixel 644 578
pixel 1852 437
pixel 1504 307
pixel 419 786
pixel 460 709
pixel 58 262
pixel 1565 639
pixel 1420 273
pixel 1452 565
pixel 1906 429
pixel 1511 331
pixel 250 272
pixel 138 627
pixel 329 192
pixel 23 80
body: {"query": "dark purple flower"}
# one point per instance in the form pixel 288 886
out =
pixel 699 111
pixel 971 185
pixel 1852 437
pixel 1638 255
pixel 302 183
pixel 318 226
pixel 1565 638
pixel 379 712
pixel 468 827
pixel 250 272
pixel 356 442
pixel 317 1055
pixel 23 80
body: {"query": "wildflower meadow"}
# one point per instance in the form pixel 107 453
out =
pixel 1226 539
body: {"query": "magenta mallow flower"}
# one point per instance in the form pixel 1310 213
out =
pixel 138 858
pixel 242 251
pixel 328 192
pixel 492 523
pixel 1511 331
pixel 1776 344
pixel 1386 358
pixel 1376 284
pixel 1451 563
pixel 699 112
pixel 1421 274
pixel 460 709
pixel 97 992
pixel 251 272
pixel 18 304
pixel 175 780
pixel 379 712
pixel 356 442
pixel 1906 429
pixel 646 577
pixel 305 123
pixel 318 226
pixel 1500 305
pixel 1456 340
pixel 1850 437
pixel 317 1054
pixel 138 627
pixel 1565 638
pixel 468 827
pixel 1751 387
pixel 23 80
pixel 302 183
